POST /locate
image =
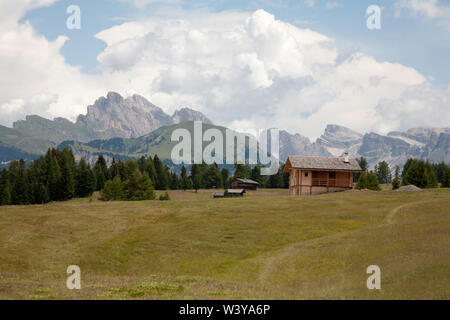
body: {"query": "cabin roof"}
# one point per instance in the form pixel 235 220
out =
pixel 246 181
pixel 321 163
pixel 236 191
pixel 218 194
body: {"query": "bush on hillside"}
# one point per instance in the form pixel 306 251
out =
pixel 368 181
pixel 420 174
pixel 164 196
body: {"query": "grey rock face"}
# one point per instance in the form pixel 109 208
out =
pixel 441 151
pixel 115 116
pixel 339 137
pixel 109 117
pixel 296 144
pixel 187 114
pixel 394 151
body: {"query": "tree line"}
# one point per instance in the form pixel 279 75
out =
pixel 56 176
pixel 422 174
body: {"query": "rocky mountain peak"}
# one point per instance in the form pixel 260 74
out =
pixel 187 114
pixel 337 133
pixel 339 139
pixel 296 144
pixel 110 116
pixel 113 96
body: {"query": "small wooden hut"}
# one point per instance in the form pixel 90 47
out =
pixel 246 184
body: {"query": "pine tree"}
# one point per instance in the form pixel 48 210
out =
pixel 446 178
pixel 67 182
pixel 212 178
pixel 101 172
pixel 146 187
pixel 420 174
pixel 430 175
pixel 113 190
pixel 406 167
pixel 439 170
pixel 364 167
pixel 131 186
pixel 113 170
pixel 85 180
pixel 242 171
pixel 256 174
pixel 225 175
pixel 197 183
pixel 122 170
pixel 43 195
pixel 196 177
pixel 141 164
pixel 184 184
pixel 162 179
pixel 19 185
pixel 276 180
pixel 396 181
pixel 5 191
pixel 372 182
pixel 190 184
pixel 383 172
pixel 54 177
pixel 139 187
pixel 149 167
pixel 362 181
pixel 99 177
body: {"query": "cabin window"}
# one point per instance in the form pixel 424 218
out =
pixel 332 175
pixel 306 174
pixel 319 178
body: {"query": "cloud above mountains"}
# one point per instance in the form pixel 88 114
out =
pixel 242 69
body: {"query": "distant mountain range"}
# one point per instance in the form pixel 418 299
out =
pixel 130 127
pixel 109 117
pixel 395 148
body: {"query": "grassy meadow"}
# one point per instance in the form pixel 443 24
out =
pixel 267 245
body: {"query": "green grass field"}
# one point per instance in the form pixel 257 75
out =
pixel 265 246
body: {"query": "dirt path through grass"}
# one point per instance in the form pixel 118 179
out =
pixel 286 251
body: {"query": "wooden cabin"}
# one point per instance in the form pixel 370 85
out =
pixel 316 175
pixel 246 184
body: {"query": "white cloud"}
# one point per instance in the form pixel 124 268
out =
pixel 332 4
pixel 417 106
pixel 239 68
pixel 34 75
pixel 430 9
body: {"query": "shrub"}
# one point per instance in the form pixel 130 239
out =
pixel 446 178
pixel 395 183
pixel 368 181
pixel 113 190
pixel 362 181
pixel 420 174
pixel 372 182
pixel 139 187
pixel 164 196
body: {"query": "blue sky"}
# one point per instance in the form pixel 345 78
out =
pixel 411 40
